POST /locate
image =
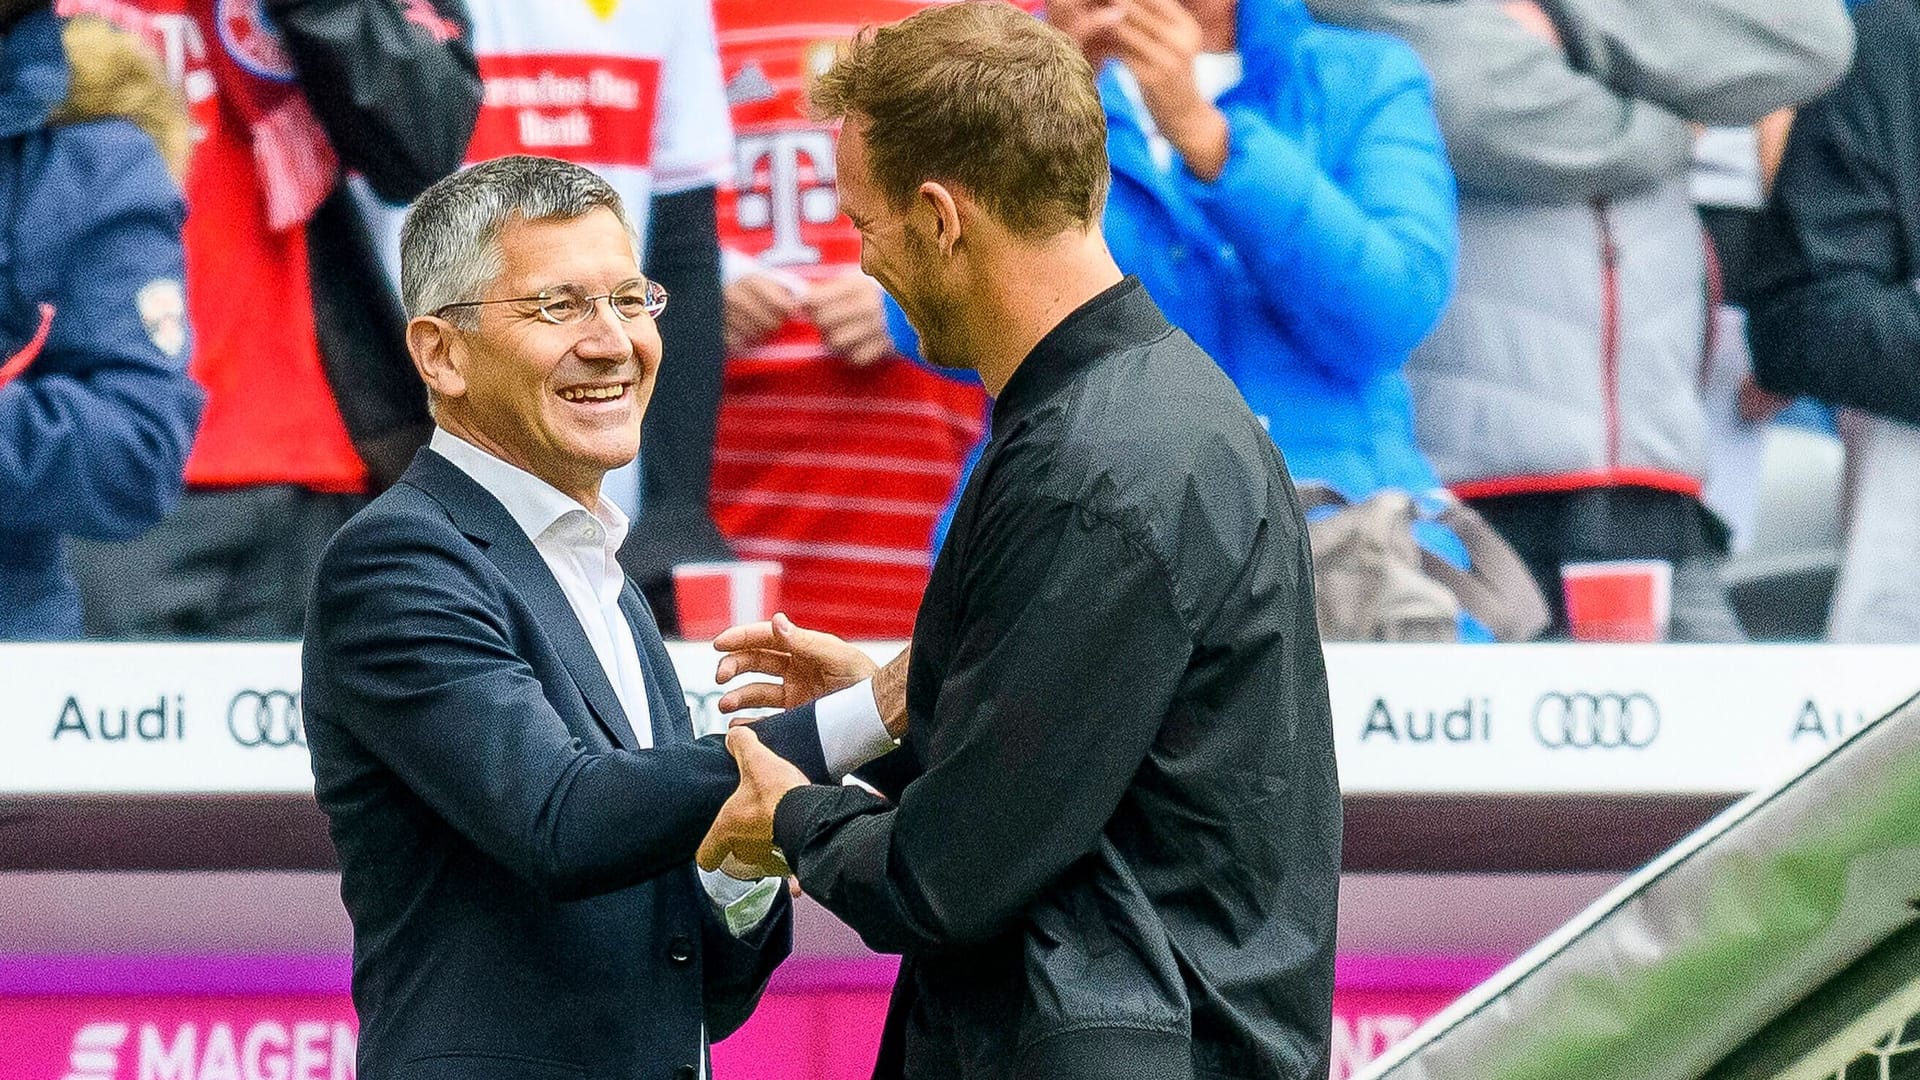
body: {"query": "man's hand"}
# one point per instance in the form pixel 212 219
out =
pixel 740 843
pixel 1090 24
pixel 1158 41
pixel 756 306
pixel 808 663
pixel 851 318
pixel 1756 404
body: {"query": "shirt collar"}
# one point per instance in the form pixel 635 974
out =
pixel 1121 317
pixel 534 504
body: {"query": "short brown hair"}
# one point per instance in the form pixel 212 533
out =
pixel 985 97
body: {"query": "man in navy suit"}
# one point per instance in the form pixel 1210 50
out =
pixel 498 738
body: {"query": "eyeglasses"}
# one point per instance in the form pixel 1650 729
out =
pixel 565 304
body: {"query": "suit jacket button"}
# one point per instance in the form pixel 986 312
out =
pixel 680 949
pixel 685 1072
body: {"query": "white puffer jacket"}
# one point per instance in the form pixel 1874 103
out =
pixel 1572 354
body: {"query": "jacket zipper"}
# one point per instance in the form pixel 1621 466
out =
pixel 1609 329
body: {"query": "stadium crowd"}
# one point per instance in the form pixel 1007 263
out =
pixel 1526 292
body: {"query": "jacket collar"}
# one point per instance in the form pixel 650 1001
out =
pixel 483 519
pixel 534 504
pixel 666 702
pixel 1121 317
pixel 1267 33
pixel 33 73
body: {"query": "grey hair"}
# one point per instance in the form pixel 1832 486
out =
pixel 449 245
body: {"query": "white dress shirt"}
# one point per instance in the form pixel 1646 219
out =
pixel 579 548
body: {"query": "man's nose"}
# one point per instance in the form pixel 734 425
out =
pixel 604 336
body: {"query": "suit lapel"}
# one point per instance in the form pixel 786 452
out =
pixel 666 702
pixel 521 562
pixel 481 517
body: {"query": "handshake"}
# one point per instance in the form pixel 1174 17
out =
pixel 809 665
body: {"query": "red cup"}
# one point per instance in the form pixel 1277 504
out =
pixel 712 596
pixel 1622 600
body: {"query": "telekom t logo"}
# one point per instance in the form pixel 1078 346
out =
pixel 783 204
pixel 96 1052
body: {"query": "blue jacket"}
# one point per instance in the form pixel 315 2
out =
pixel 94 435
pixel 1316 261
pixel 1321 255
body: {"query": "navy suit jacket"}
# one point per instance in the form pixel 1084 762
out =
pixel 518 872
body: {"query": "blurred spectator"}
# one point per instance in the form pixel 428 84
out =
pixel 1838 315
pixel 1561 392
pixel 96 410
pixel 1281 190
pixel 633 92
pixel 1732 171
pixel 835 454
pixel 299 347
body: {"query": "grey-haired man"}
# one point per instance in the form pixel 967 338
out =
pixel 498 737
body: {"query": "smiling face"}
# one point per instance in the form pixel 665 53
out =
pixel 895 252
pixel 563 402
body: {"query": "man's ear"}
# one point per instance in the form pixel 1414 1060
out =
pixel 439 355
pixel 945 211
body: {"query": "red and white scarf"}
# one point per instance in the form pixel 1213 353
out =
pixel 294 163
pixel 292 159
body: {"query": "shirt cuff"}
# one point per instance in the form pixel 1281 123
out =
pixel 742 903
pixel 851 731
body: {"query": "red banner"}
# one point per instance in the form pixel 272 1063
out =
pixel 594 110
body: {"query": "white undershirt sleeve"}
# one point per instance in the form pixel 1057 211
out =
pixel 851 731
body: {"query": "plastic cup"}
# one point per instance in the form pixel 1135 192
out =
pixel 712 596
pixel 1622 600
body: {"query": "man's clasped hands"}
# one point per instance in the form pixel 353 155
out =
pixel 809 665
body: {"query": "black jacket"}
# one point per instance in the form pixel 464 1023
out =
pixel 1116 849
pixel 1838 316
pixel 520 877
pixel 398 100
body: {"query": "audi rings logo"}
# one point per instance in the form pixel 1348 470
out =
pixel 1596 721
pixel 266 718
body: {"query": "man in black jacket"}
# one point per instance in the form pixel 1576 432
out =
pixel 1110 844
pixel 1837 315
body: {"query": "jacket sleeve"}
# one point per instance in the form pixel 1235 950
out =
pixel 1837 317
pixel 94 436
pixel 1043 719
pixel 1727 62
pixel 735 970
pixel 1357 262
pixel 394 84
pixel 1519 120
pixel 408 654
